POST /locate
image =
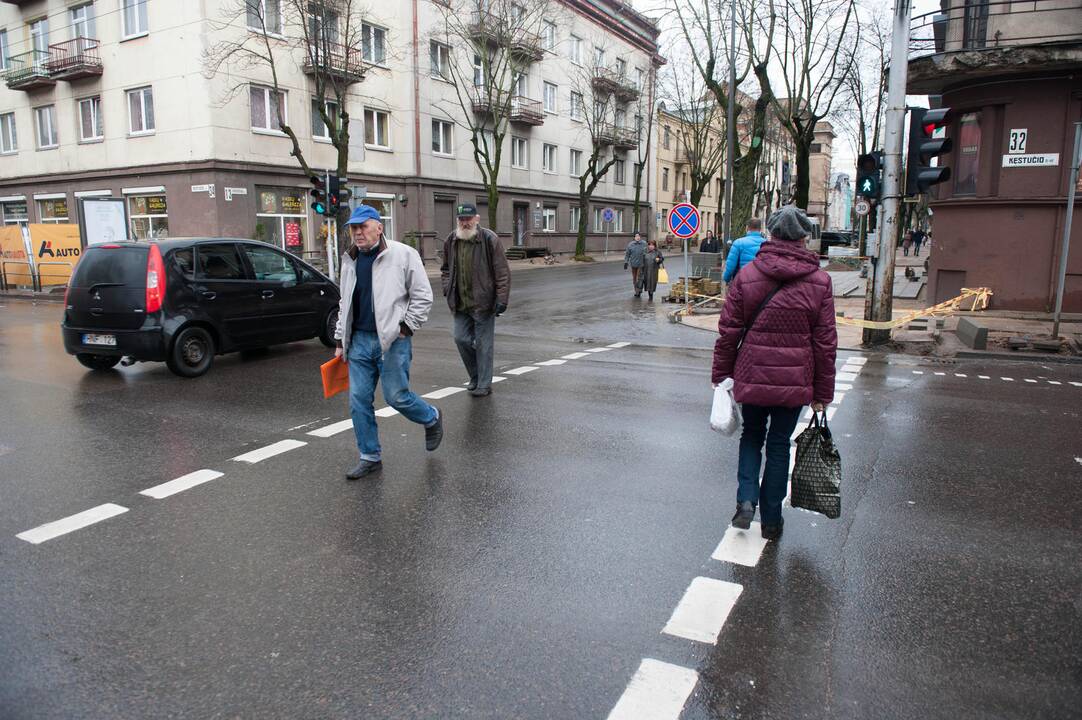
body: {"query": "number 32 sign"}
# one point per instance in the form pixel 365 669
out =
pixel 1017 145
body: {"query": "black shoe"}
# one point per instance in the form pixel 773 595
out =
pixel 745 513
pixel 434 433
pixel 773 532
pixel 481 392
pixel 651 297
pixel 364 467
pixel 473 384
pixel 638 294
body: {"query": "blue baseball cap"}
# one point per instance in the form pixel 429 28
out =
pixel 361 213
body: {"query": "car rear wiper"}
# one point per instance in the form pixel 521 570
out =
pixel 95 286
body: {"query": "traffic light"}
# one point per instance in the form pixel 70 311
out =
pixel 920 174
pixel 319 194
pixel 337 196
pixel 870 175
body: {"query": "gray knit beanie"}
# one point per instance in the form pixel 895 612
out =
pixel 789 223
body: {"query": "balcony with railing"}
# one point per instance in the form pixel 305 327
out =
pixel 621 138
pixel 519 109
pixel 616 83
pixel 29 71
pixel 334 60
pixel 493 30
pixel 75 59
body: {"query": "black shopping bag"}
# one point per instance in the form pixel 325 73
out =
pixel 817 473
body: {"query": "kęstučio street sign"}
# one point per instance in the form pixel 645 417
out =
pixel 1046 160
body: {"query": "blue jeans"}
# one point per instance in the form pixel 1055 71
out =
pixel 473 336
pixel 769 497
pixel 369 364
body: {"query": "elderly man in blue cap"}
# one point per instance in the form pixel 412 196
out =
pixel 386 297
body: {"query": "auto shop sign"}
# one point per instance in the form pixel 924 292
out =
pixel 1046 160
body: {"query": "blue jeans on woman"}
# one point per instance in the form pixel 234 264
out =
pixel 368 364
pixel 770 494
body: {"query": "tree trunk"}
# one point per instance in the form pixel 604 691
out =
pixel 803 170
pixel 638 198
pixel 584 199
pixel 493 205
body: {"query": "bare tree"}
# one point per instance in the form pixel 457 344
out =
pixel 325 37
pixel 485 49
pixel 644 126
pixel 807 43
pixel 700 129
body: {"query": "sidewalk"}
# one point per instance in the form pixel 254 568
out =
pixel 432 267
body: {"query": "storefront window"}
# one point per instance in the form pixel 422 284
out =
pixel 14 213
pixel 53 211
pixel 149 217
pixel 969 152
pixel 282 220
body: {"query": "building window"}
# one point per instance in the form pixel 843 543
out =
pixel 320 131
pixel 599 57
pixel 621 68
pixel 666 139
pixel 575 217
pixel 636 169
pixel 975 24
pixel 548 215
pixel 638 78
pixel 478 70
pixel 548 36
pixel 377 131
pixel 53 210
pixel 135 18
pixel 816 148
pixel 599 223
pixel 439 58
pixel 618 221
pixel 265 15
pixel 281 218
pixel 578 108
pixel 46 124
pixel 575 166
pixel 141 111
pixel 39 37
pixel 149 216
pixel 519 153
pixel 265 104
pixel 9 140
pixel 576 50
pixel 969 154
pixel 442 137
pixel 14 212
pixel 4 50
pixel 548 158
pixel 90 127
pixel 664 178
pixel 82 22
pixel 618 172
pixel 550 97
pixel 373 43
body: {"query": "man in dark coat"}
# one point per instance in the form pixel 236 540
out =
pixel 477 284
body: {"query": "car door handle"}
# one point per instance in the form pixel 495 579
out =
pixel 268 294
pixel 209 295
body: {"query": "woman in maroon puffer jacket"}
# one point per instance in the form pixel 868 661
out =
pixel 785 362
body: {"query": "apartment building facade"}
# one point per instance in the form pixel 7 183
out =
pixel 118 98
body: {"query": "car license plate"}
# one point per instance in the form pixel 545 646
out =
pixel 109 340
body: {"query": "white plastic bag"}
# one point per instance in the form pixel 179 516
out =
pixel 725 413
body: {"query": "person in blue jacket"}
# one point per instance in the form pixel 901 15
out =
pixel 744 249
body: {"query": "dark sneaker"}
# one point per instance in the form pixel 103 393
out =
pixel 481 392
pixel 745 513
pixel 473 384
pixel 773 532
pixel 434 433
pixel 364 467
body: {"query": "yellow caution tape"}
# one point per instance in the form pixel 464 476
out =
pixel 980 298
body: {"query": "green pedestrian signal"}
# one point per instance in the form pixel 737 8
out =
pixel 870 175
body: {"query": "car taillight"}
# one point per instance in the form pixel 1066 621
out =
pixel 155 280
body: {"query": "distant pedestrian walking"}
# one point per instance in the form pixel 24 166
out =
pixel 634 258
pixel 744 249
pixel 653 263
pixel 918 240
pixel 385 298
pixel 477 284
pixel 709 243
pixel 778 341
pixel 907 242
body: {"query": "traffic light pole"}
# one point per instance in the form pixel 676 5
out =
pixel 1076 160
pixel 882 285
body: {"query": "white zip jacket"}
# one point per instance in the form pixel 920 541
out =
pixel 401 293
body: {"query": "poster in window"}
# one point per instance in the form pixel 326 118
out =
pixel 268 202
pixel 54 209
pixel 293 235
pixel 969 141
pixel 156 205
pixel 138 205
pixel 292 204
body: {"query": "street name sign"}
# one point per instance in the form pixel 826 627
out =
pixel 1046 160
pixel 684 220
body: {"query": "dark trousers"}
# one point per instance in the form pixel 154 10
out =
pixel 638 277
pixel 769 495
pixel 474 338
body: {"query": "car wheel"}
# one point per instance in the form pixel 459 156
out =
pixel 97 362
pixel 326 333
pixel 192 352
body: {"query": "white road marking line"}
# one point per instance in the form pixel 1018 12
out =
pixel 443 392
pixel 270 451
pixel 1030 381
pixel 846 377
pixel 575 356
pixel 1053 382
pixel 657 691
pixel 180 484
pixel 1078 460
pixel 960 375
pixel 550 363
pixel 597 350
pixel 703 610
pixel 856 361
pixel 1007 379
pixel 497 378
pixel 742 547
pixel 941 373
pixel 984 377
pixel 842 386
pixel 520 370
pixel 918 372
pixel 333 429
pixel 838 397
pixel 617 346
pixel 48 531
pixel 386 412
pixel 1076 384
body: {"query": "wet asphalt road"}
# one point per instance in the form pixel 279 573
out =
pixel 526 568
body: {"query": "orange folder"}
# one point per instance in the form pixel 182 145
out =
pixel 335 377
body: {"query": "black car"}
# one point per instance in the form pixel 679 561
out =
pixel 185 300
pixel 835 238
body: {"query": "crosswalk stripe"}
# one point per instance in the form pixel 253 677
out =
pixel 703 610
pixel 743 547
pixel 55 529
pixel 657 691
